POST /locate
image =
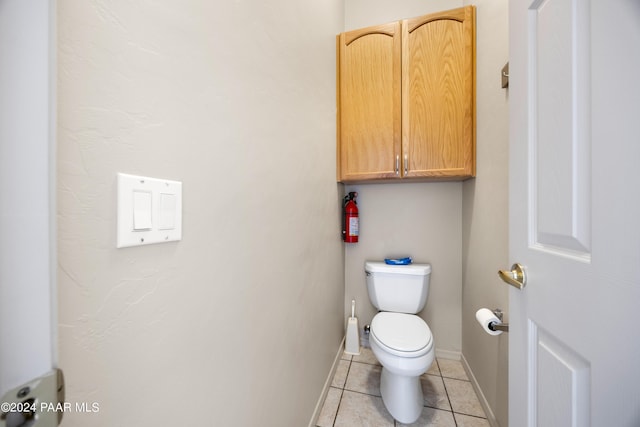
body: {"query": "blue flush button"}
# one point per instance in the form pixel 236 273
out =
pixel 398 261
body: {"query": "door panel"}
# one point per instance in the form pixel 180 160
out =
pixel 27 192
pixel 573 213
pixel 560 381
pixel 560 139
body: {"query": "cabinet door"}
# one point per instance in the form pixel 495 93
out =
pixel 369 123
pixel 438 69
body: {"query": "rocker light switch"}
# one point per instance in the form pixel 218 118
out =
pixel 167 214
pixel 149 210
pixel 142 210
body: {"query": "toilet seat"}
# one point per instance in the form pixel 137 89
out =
pixel 401 334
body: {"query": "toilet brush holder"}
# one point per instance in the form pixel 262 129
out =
pixel 352 344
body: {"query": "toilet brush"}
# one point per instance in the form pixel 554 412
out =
pixel 352 345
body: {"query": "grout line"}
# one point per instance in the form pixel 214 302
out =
pixel 367 363
pixel 475 394
pixel 363 393
pixel 335 418
pixel 447 393
pixel 469 415
pixel 346 377
pixel 457 379
pixel 350 360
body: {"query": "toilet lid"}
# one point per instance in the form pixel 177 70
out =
pixel 401 332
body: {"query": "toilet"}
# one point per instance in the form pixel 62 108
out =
pixel 400 340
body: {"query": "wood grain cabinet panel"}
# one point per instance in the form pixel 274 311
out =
pixel 406 99
pixel 370 102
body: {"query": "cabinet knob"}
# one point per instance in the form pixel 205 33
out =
pixel 397 164
pixel 406 164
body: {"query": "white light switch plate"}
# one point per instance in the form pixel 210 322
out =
pixel 165 224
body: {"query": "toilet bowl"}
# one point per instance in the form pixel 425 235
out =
pixel 401 341
pixel 403 345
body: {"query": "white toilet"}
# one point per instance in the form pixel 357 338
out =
pixel 400 340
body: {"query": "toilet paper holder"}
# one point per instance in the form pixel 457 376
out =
pixel 504 327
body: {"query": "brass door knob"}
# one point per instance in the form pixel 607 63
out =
pixel 516 277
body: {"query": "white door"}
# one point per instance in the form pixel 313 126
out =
pixel 574 94
pixel 27 214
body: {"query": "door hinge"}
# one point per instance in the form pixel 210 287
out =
pixel 38 403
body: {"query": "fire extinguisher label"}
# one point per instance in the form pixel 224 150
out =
pixel 353 226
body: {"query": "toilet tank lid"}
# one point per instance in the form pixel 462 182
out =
pixel 410 269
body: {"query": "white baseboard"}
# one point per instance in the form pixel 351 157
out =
pixel 327 384
pixel 483 400
pixel 447 354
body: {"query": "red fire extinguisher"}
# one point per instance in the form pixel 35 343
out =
pixel 350 221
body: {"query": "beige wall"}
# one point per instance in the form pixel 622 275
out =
pixel 485 211
pixel 238 323
pixel 363 13
pixel 419 219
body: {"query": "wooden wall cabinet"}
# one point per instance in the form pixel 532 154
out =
pixel 406 99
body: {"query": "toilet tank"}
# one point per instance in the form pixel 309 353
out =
pixel 398 288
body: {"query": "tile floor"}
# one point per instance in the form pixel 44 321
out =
pixel 354 398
